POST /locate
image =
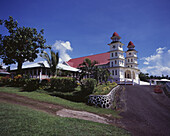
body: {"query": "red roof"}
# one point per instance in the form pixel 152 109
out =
pixel 102 59
pixel 115 34
pixel 131 44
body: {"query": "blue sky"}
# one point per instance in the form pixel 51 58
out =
pixel 88 26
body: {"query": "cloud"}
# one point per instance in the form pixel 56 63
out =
pixel 158 63
pixel 169 51
pixel 154 58
pixel 63 47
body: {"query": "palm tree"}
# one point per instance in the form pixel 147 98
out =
pixel 101 74
pixel 88 66
pixel 52 60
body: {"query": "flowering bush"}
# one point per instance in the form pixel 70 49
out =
pixel 5 80
pixel 18 81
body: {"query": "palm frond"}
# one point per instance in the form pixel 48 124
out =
pixel 41 64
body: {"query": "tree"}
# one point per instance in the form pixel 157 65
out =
pixel 101 74
pixel 144 76
pixel 21 45
pixel 52 60
pixel 88 66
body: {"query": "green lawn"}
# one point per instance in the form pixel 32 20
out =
pixel 41 96
pixel 21 121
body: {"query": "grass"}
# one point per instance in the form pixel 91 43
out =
pixel 104 88
pixel 21 121
pixel 42 96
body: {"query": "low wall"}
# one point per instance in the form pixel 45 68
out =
pixel 104 101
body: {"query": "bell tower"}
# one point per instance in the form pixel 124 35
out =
pixel 131 56
pixel 116 51
pixel 117 60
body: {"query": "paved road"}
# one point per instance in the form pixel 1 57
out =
pixel 147 113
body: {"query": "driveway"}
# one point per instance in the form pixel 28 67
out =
pixel 146 113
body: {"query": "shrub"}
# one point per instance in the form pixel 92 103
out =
pixel 31 84
pixel 88 85
pixel 18 81
pixel 4 80
pixel 63 84
pixel 45 84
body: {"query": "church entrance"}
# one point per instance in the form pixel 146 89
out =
pixel 128 74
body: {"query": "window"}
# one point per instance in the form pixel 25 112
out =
pixel 113 72
pixel 131 65
pixel 115 53
pixel 115 62
pixel 112 54
pixel 128 60
pixel 113 46
pixel 131 60
pixel 112 64
pixel 130 53
pixel 128 66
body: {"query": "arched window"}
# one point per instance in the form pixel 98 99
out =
pixel 113 72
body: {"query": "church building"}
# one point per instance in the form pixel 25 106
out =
pixel 122 68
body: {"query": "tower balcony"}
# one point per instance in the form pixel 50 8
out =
pixel 129 56
pixel 131 62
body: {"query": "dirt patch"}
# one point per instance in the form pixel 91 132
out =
pixel 53 109
pixel 81 115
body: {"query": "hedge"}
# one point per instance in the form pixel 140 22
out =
pixel 63 84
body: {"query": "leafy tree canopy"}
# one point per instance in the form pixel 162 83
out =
pixel 21 45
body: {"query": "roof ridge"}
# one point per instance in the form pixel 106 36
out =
pixel 88 56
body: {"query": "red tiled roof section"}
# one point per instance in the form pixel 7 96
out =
pixel 102 59
pixel 131 44
pixel 115 34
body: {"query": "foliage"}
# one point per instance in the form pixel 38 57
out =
pixel 101 74
pixel 45 84
pixel 17 81
pixel 5 80
pixel 31 84
pixel 87 86
pixel 21 44
pixel 63 84
pixel 144 77
pixel 17 120
pixel 87 67
pixel 52 60
pixel 104 89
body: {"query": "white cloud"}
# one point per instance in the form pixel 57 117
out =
pixel 157 64
pixel 169 51
pixel 63 47
pixel 160 50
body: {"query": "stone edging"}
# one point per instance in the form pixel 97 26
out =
pixel 104 101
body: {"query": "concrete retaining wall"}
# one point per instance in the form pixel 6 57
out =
pixel 104 101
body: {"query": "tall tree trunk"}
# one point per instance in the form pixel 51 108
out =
pixel 19 67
